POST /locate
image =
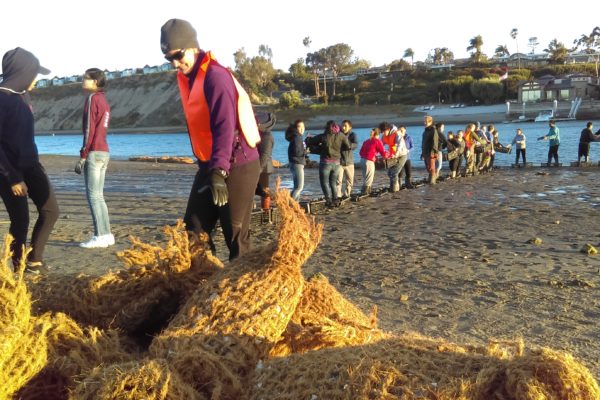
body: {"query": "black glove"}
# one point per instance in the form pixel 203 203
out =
pixel 79 166
pixel 217 186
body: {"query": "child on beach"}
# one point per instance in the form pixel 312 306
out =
pixel 368 155
pixel 520 140
pixel 94 156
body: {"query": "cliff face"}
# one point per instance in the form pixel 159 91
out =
pixel 136 102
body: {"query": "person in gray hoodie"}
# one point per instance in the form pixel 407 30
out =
pixel 21 174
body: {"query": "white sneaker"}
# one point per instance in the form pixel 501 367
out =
pixel 94 243
pixel 109 239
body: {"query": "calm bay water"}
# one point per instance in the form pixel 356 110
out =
pixel 123 146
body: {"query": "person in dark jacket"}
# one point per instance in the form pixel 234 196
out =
pixel 347 162
pixel 430 148
pixel 266 121
pixel 587 137
pixel 21 174
pixel 296 156
pixel 331 142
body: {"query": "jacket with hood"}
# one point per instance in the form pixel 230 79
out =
pixel 296 150
pixel 18 151
pixel 332 144
pixel 347 155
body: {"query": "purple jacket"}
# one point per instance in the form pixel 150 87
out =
pixel 228 147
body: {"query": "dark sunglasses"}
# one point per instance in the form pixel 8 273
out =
pixel 178 55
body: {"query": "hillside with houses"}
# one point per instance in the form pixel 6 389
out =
pixel 137 100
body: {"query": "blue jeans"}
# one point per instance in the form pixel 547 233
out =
pixel 328 176
pixel 298 176
pixel 94 173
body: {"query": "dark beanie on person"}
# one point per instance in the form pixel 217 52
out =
pixel 19 69
pixel 177 34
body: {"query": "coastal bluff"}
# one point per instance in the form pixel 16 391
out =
pixel 139 101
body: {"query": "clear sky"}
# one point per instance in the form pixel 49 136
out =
pixel 70 36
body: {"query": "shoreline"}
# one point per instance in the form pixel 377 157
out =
pixel 485 114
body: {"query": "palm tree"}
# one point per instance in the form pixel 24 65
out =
pixel 409 53
pixel 475 44
pixel 502 51
pixel 513 34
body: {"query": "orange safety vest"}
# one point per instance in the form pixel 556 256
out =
pixel 390 142
pixel 197 114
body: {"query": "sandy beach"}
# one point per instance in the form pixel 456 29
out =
pixel 455 260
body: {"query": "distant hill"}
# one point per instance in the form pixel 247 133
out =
pixel 136 102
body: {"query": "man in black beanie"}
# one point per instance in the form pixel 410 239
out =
pixel 224 138
pixel 21 174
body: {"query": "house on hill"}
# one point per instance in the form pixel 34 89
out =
pixel 548 88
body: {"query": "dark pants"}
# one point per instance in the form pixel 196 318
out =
pixel 41 193
pixel 407 171
pixel 455 164
pixel 202 214
pixel 522 153
pixel 584 151
pixel 553 153
pixel 262 189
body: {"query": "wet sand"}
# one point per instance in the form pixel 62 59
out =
pixel 454 260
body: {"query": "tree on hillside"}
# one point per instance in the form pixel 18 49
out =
pixel 257 72
pixel 513 34
pixel 501 51
pixel 557 51
pixel 442 56
pixel 533 43
pixel 591 43
pixel 409 53
pixel 265 52
pixel 336 58
pixel 310 62
pixel 475 46
pixel 299 70
pixel 315 64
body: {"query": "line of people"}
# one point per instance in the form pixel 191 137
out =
pixel 390 145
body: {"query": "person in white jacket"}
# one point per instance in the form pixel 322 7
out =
pixel 520 140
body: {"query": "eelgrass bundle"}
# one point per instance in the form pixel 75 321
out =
pixel 415 367
pixel 73 352
pixel 324 318
pixel 23 349
pixel 156 277
pixel 233 320
pixel 147 380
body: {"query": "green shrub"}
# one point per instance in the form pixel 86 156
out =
pixel 291 99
